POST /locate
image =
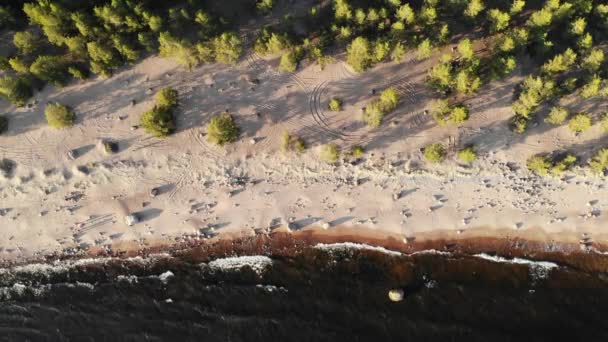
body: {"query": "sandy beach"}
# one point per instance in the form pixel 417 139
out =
pixel 53 202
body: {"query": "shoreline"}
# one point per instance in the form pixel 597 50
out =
pixel 593 257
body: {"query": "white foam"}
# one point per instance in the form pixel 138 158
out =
pixel 538 269
pixel 165 276
pixel 431 251
pixel 346 246
pixel 258 263
pixel 61 266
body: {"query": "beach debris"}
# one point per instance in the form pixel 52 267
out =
pixel 134 127
pixel 396 295
pixel 7 167
pixel 252 141
pixel 131 219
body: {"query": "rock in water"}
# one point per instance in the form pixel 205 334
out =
pixel 396 295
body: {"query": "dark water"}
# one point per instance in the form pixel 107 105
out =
pixel 311 295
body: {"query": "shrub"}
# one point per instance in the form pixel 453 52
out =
pixel 357 151
pixel 289 62
pixel 557 115
pixel 15 90
pixel 474 7
pixel 222 129
pixel 599 161
pixel 358 54
pixel 378 108
pixel 158 121
pixel 539 164
pixel 604 123
pixel 3 124
pixel 330 153
pixel 167 97
pixel 78 73
pixel 18 65
pixel 264 6
pixel 467 154
pixel 26 41
pixel 335 104
pixel 593 61
pixel 459 114
pixel 292 143
pixel 424 49
pixel 373 114
pixel 498 20
pixel 178 49
pixel 59 116
pixel 435 153
pixel 560 63
pixel 580 123
pixel 228 48
pixel 519 124
pixel 389 99
pixel 563 164
pixel 442 112
pixel 591 88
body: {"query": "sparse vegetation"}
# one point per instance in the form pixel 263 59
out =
pixel 335 104
pixel 467 154
pixel 379 108
pixel 557 115
pixel 330 153
pixel 599 162
pixel 59 116
pixel 16 90
pixel 443 113
pixel 543 165
pixel 435 153
pixel 357 151
pixel 222 129
pixel 539 164
pixel 292 143
pixel 580 123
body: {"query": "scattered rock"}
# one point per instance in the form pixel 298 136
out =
pixel 131 219
pixel 109 146
pixel 154 192
pixel 73 154
pixel 7 168
pixel 83 170
pixel 396 295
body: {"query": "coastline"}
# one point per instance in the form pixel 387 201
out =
pixel 52 208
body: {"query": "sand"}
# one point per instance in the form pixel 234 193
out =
pixel 53 203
